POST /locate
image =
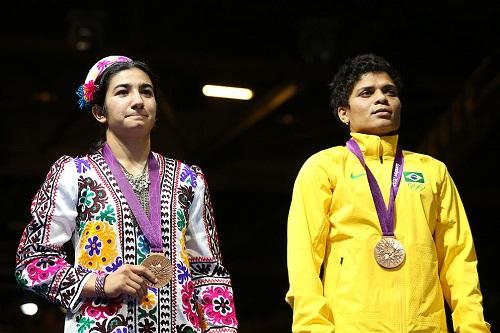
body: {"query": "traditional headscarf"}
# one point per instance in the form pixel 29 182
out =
pixel 87 90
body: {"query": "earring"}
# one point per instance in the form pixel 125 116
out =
pixel 346 122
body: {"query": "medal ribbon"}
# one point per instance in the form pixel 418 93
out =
pixel 149 226
pixel 385 215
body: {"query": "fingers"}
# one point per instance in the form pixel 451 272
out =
pixel 129 280
pixel 136 290
pixel 145 272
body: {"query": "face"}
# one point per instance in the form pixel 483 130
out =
pixel 374 105
pixel 130 104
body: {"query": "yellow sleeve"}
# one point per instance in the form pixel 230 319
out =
pixel 308 228
pixel 458 262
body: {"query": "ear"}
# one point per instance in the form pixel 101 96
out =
pixel 342 113
pixel 98 113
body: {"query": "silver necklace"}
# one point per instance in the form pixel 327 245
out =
pixel 140 185
pixel 140 182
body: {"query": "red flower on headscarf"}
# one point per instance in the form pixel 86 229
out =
pixel 89 90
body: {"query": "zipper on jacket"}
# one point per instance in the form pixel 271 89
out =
pixel 380 151
pixel 341 260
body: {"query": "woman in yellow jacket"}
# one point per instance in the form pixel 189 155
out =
pixel 378 237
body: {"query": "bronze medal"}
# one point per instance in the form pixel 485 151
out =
pixel 161 268
pixel 389 252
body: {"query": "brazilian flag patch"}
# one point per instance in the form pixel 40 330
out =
pixel 413 177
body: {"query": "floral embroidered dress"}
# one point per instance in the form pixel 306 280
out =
pixel 80 200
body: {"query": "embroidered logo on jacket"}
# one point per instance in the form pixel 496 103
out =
pixel 353 176
pixel 414 177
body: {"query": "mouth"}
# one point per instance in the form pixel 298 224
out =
pixel 382 111
pixel 135 115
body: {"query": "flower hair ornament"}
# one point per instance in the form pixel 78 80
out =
pixel 88 89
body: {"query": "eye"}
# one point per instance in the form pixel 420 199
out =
pixel 147 92
pixel 365 93
pixel 392 92
pixel 121 92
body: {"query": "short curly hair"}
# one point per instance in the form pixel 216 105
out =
pixel 351 71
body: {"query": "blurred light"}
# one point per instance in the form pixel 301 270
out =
pixel 43 97
pixel 287 119
pixel 227 92
pixel 29 309
pixel 84 32
pixel 84 36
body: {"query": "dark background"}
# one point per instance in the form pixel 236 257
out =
pixel 252 150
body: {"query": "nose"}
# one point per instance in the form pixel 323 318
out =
pixel 137 101
pixel 381 98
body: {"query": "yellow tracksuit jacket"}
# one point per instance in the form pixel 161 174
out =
pixel 335 283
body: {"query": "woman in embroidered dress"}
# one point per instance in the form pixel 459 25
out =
pixel 378 236
pixel 146 251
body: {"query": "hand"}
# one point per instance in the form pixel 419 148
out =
pixel 129 280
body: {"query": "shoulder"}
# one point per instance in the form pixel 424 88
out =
pixel 188 174
pixel 425 163
pixel 322 166
pixel 164 160
pixel 326 158
pixel 75 166
pixel 64 172
pixel 182 165
pixel 62 164
pixel 424 159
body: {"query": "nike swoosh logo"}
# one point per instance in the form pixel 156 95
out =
pixel 357 176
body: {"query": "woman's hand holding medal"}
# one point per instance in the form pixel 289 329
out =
pixel 131 280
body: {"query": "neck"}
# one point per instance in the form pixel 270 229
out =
pixel 131 153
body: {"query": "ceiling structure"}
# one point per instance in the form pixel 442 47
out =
pixel 250 150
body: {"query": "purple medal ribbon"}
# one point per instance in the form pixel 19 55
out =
pixel 385 215
pixel 149 226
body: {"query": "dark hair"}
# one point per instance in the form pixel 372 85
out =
pixel 351 71
pixel 103 80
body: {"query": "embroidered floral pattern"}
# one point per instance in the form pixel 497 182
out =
pixel 43 268
pixel 188 304
pixel 97 246
pixel 115 265
pixel 94 246
pixel 120 330
pixel 182 273
pixel 218 305
pixel 92 197
pixel 186 196
pixel 147 326
pixel 101 65
pixel 149 301
pixel 188 175
pixel 143 247
pixel 184 329
pixel 83 324
pixel 82 165
pixel 107 214
pixel 143 244
pixel 184 255
pixel 97 309
pixel 181 220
